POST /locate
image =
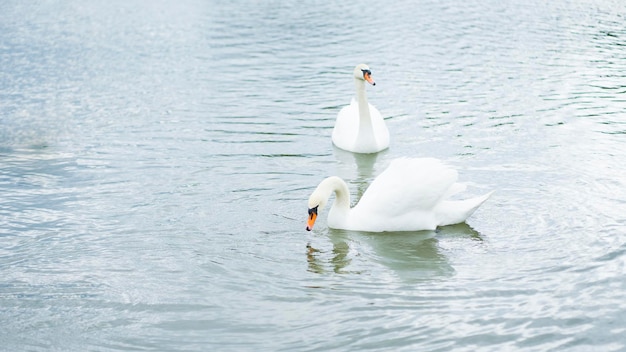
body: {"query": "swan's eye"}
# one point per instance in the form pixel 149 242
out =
pixel 366 72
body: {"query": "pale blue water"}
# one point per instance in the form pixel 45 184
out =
pixel 156 159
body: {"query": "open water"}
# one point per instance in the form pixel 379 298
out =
pixel 156 158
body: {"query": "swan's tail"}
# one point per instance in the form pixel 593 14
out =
pixel 457 211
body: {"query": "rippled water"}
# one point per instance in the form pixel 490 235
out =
pixel 156 159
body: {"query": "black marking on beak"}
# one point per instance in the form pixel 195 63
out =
pixel 366 72
pixel 313 211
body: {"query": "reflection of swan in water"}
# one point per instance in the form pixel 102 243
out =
pixel 419 255
pixel 462 230
pixel 338 257
pixel 410 256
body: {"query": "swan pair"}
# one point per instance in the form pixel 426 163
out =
pixel 412 194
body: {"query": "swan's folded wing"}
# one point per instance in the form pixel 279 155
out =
pixel 408 185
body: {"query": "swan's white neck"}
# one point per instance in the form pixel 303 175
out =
pixel 366 131
pixel 341 207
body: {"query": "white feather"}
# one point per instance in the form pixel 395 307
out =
pixel 360 128
pixel 412 194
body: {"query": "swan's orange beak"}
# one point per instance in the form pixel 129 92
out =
pixel 312 217
pixel 368 77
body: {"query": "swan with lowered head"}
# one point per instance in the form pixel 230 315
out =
pixel 360 128
pixel 412 194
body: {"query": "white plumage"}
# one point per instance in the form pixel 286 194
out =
pixel 360 128
pixel 412 194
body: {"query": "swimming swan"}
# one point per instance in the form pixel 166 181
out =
pixel 412 194
pixel 360 128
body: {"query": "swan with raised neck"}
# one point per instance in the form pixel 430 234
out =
pixel 360 128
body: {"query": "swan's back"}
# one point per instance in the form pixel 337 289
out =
pixel 412 194
pixel 410 184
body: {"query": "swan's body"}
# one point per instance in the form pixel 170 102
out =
pixel 360 128
pixel 410 195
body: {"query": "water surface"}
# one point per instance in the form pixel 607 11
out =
pixel 156 159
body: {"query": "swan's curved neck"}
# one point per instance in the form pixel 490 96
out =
pixel 342 194
pixel 366 130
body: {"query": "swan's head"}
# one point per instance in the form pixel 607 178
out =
pixel 316 204
pixel 319 198
pixel 364 73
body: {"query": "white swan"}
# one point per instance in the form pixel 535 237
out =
pixel 360 128
pixel 410 195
